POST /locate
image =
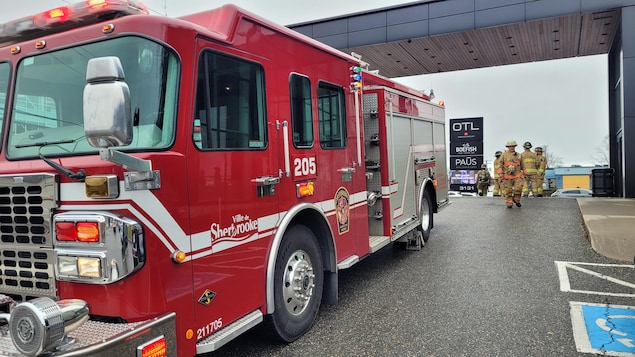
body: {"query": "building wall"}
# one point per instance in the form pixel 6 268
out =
pixel 576 181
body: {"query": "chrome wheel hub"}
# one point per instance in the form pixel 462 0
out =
pixel 299 281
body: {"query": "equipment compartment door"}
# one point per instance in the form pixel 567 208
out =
pixel 409 144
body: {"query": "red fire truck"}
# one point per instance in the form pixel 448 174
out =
pixel 169 183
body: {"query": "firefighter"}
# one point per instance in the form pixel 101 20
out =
pixel 497 180
pixel 528 158
pixel 483 179
pixel 511 172
pixel 541 165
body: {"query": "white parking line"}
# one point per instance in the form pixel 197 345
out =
pixel 565 284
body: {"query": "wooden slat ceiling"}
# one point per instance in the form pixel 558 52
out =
pixel 540 40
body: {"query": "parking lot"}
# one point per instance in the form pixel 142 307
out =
pixel 489 282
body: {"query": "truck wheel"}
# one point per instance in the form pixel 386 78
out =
pixel 425 215
pixel 298 283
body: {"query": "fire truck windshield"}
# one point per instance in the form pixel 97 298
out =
pixel 47 101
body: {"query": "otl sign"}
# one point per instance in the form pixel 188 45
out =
pixel 466 143
pixel 466 129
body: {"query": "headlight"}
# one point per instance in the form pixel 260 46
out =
pixel 67 266
pixel 97 247
pixel 75 266
pixel 89 267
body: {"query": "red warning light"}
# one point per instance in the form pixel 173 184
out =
pixel 59 14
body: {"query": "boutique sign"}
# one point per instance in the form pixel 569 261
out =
pixel 468 148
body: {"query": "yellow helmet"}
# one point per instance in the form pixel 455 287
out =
pixel 511 143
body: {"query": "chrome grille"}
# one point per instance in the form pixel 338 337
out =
pixel 26 247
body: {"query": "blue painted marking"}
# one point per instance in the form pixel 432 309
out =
pixel 610 328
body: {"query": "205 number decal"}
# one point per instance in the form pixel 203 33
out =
pixel 304 167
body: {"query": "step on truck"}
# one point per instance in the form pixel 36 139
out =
pixel 168 183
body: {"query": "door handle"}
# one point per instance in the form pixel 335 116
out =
pixel 346 170
pixel 347 173
pixel 421 161
pixel 266 185
pixel 266 180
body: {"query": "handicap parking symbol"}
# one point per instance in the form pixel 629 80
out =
pixel 603 329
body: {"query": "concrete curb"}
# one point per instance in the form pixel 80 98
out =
pixel 610 223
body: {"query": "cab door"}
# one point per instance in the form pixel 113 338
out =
pixel 232 175
pixel 340 133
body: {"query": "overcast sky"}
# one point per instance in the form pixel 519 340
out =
pixel 562 104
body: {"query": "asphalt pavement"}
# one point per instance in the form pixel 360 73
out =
pixel 491 281
pixel 610 225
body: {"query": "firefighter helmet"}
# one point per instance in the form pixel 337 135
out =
pixel 527 145
pixel 484 166
pixel 498 153
pixel 538 149
pixel 511 143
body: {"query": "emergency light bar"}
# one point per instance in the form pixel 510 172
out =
pixel 67 17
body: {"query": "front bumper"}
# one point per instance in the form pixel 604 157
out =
pixel 94 338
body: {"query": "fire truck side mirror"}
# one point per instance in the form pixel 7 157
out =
pixel 107 115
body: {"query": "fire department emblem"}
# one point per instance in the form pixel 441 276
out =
pixel 207 297
pixel 342 209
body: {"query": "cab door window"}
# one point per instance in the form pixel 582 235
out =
pixel 331 116
pixel 230 104
pixel 301 111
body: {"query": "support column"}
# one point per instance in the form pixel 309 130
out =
pixel 628 96
pixel 622 105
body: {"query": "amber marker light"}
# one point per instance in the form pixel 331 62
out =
pixel 178 257
pixel 106 186
pixel 435 183
pixel 304 189
pixel 97 3
pixel 15 50
pixel 108 28
pixel 40 44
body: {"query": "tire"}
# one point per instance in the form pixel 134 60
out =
pixel 425 216
pixel 298 285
